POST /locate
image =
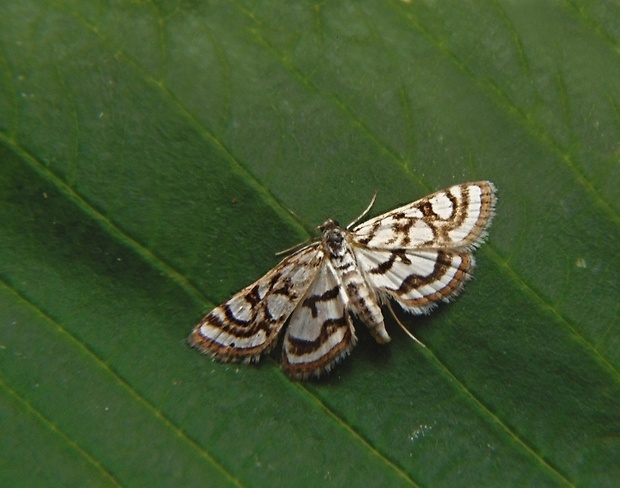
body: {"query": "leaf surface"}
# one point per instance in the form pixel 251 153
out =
pixel 149 155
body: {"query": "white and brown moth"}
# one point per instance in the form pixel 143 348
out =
pixel 418 255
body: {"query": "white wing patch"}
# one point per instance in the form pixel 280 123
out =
pixel 418 255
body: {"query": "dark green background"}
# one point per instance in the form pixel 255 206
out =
pixel 149 154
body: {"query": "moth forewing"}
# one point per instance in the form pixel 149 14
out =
pixel 456 217
pixel 418 255
pixel 248 324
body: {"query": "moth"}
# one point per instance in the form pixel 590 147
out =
pixel 417 255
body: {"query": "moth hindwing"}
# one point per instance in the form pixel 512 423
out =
pixel 417 255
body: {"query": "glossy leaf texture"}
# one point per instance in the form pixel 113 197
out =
pixel 149 155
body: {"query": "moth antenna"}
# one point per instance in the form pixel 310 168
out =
pixel 292 212
pixel 309 228
pixel 389 305
pixel 289 249
pixel 372 202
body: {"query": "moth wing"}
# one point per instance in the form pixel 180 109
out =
pixel 248 324
pixel 417 280
pixel 320 332
pixel 454 218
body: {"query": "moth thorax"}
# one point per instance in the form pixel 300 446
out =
pixel 333 237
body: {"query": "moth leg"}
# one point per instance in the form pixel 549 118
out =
pixel 402 326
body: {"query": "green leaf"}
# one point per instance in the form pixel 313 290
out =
pixel 149 154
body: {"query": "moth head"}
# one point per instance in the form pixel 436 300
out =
pixel 329 224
